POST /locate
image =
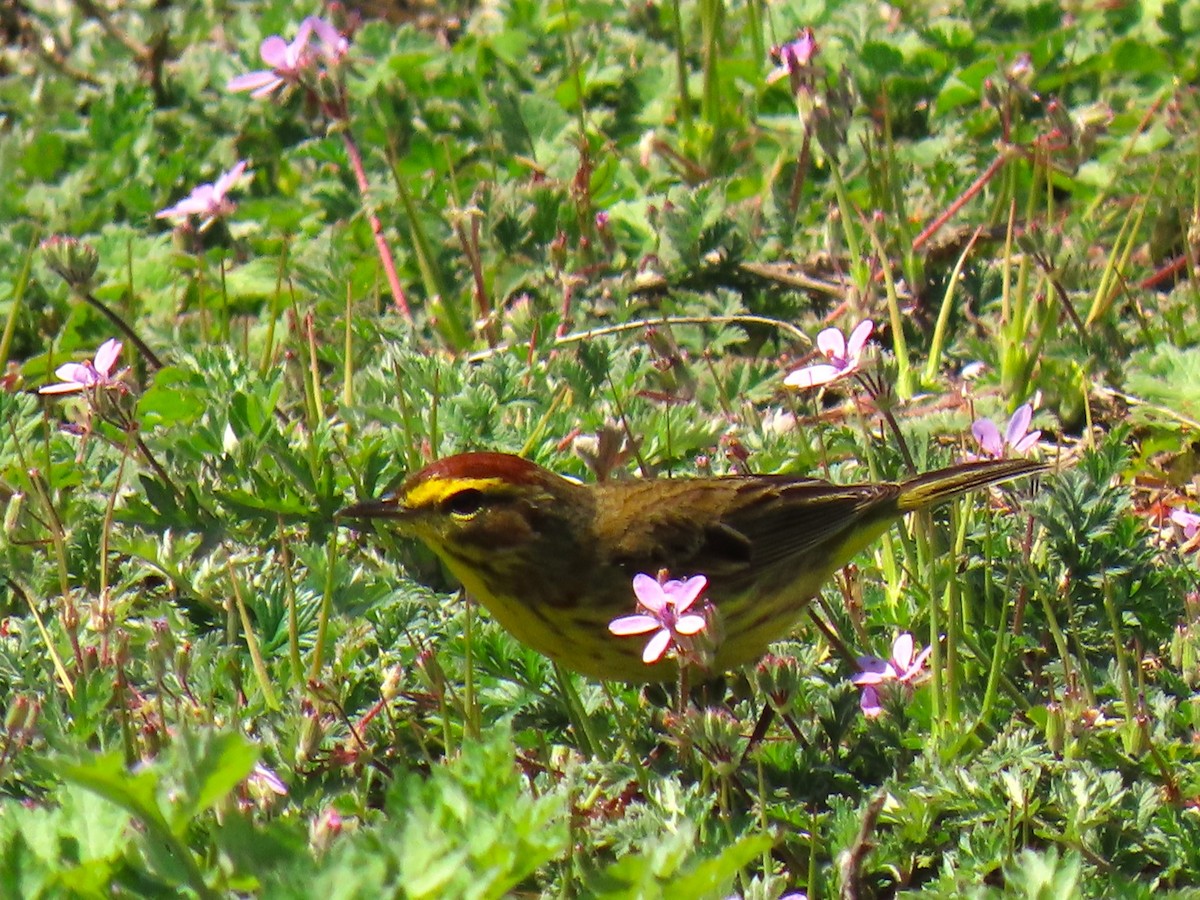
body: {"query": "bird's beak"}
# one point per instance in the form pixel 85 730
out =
pixel 386 507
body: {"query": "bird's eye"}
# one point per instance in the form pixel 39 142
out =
pixel 466 502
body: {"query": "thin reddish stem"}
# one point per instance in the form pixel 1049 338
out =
pixel 976 186
pixel 385 252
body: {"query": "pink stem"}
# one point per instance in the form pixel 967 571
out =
pixel 976 186
pixel 385 253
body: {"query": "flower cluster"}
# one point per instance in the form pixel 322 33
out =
pixel 904 668
pixel 665 607
pixel 317 48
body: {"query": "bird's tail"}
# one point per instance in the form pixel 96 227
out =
pixel 935 487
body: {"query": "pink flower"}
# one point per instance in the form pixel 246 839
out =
pixel 89 374
pixel 1018 439
pixel 844 356
pixel 903 668
pixel 665 611
pixel 793 57
pixel 209 201
pixel 289 62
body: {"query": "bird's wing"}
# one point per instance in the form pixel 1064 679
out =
pixel 765 521
pixel 787 519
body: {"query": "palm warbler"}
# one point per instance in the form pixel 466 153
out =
pixel 554 560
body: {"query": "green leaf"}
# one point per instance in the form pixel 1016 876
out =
pixel 171 400
pixel 218 763
pixel 107 776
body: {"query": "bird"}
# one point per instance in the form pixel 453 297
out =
pixel 553 560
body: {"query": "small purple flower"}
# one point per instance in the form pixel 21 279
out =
pixel 289 62
pixel 844 356
pixel 208 201
pixel 903 668
pixel 89 374
pixel 1017 439
pixel 664 611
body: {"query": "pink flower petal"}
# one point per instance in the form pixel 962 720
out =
pixel 289 60
pixel 273 51
pixel 106 356
pixel 636 624
pixel 66 387
pixel 686 592
pixel 1180 517
pixel 870 704
pixel 690 624
pixel 649 593
pixel 195 204
pixel 1189 522
pixel 79 373
pixel 858 339
pixel 902 651
pixel 333 45
pixel 988 436
pixel 831 343
pixel 917 665
pixel 656 647
pixel 1026 443
pixel 255 81
pixel 268 89
pixel 874 671
pixel 1018 424
pixel 777 74
pixel 812 376
pixel 229 180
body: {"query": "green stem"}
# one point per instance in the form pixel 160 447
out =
pixel 681 70
pixel 904 386
pixel 124 327
pixel 14 312
pixel 858 267
pixel 256 658
pixel 314 670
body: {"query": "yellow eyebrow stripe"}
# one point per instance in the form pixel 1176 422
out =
pixel 432 492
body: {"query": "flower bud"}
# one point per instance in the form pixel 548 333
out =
pixel 12 513
pixel 324 828
pixel 71 260
pixel 14 716
pixel 391 683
